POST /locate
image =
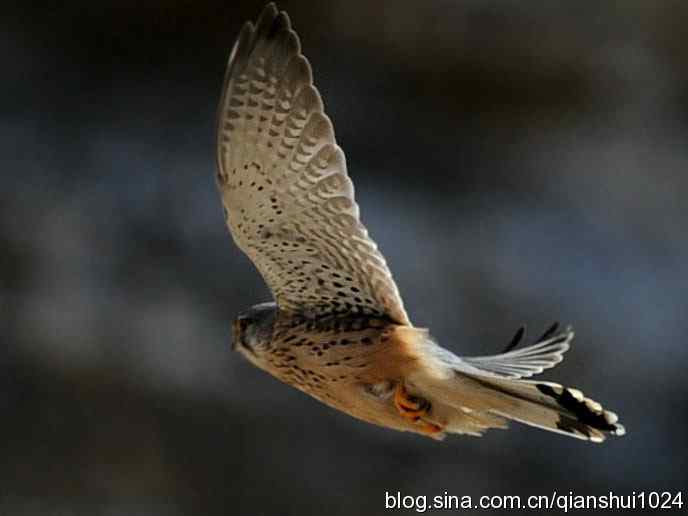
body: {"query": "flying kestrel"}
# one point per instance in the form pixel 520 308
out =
pixel 338 329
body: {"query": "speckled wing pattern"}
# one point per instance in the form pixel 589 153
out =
pixel 288 200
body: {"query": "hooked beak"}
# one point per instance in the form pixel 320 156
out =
pixel 235 335
pixel 238 327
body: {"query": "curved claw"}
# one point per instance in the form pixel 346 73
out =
pixel 414 408
pixel 409 406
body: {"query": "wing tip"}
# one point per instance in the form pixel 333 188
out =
pixel 545 353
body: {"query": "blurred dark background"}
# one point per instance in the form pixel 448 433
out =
pixel 517 162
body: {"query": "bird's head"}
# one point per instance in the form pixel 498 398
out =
pixel 252 331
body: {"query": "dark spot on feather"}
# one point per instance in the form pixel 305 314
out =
pixel 579 409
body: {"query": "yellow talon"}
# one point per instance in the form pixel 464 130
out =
pixel 408 405
pixel 414 408
pixel 431 428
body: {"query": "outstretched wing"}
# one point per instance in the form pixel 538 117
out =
pixel 288 200
pixel 545 353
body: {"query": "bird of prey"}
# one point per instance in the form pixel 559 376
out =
pixel 337 329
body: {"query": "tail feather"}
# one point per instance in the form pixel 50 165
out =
pixel 549 406
pixel 469 399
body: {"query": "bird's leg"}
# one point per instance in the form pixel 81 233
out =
pixel 414 408
pixel 409 406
